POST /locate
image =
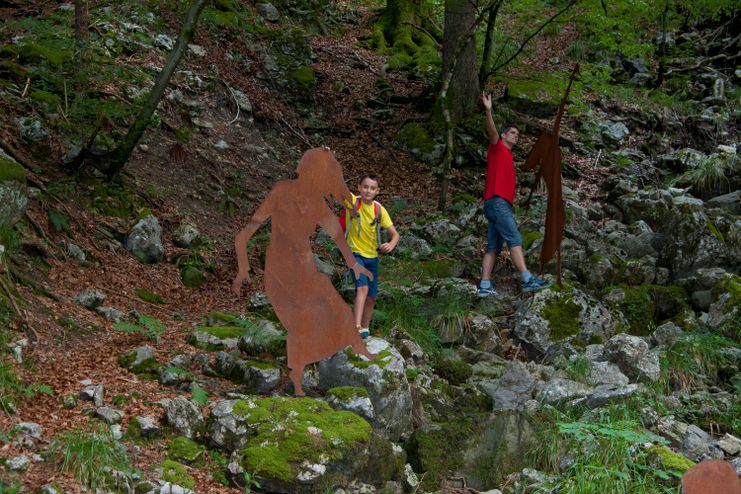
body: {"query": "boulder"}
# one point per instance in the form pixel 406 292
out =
pixel 13 191
pixel 145 240
pixel 385 380
pixel 562 317
pixel 512 390
pixel 183 415
pixel 632 355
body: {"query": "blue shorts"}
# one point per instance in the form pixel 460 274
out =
pixel 502 227
pixel 371 264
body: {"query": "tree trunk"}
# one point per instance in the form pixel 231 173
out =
pixel 443 172
pixel 488 43
pixel 81 20
pixel 122 153
pixel 464 88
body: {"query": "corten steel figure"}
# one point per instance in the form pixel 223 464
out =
pixel 318 321
pixel 547 153
pixel 711 477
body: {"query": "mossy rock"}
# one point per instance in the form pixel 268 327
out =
pixel 176 473
pixel 648 306
pixel 562 314
pixel 11 170
pixel 347 393
pixel 223 332
pixel 309 430
pixel 461 425
pixel 303 77
pixel 382 359
pixel 150 297
pixel 415 136
pixel 147 368
pixel 185 450
pixel 192 277
pixel 455 371
pixel 669 460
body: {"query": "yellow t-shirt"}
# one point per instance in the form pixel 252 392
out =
pixel 367 243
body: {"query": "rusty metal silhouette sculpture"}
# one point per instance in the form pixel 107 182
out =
pixel 318 322
pixel 711 477
pixel 547 153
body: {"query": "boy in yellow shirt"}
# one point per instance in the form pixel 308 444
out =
pixel 363 237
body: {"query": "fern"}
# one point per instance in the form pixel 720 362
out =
pixel 149 326
pixel 199 394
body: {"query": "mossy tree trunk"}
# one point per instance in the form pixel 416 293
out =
pixel 407 34
pixel 463 93
pixel 466 38
pixel 120 156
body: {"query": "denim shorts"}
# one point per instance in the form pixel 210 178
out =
pixel 371 264
pixel 502 227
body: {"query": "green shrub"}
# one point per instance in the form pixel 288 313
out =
pixel 89 455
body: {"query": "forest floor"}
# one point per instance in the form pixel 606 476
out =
pixel 75 344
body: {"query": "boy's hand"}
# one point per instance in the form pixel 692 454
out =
pixel 385 248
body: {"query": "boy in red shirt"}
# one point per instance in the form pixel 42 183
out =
pixel 499 196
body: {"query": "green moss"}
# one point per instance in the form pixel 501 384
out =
pixel 49 100
pixel 529 238
pixel 637 307
pixel 192 277
pixel 34 53
pixel 382 359
pixel 148 296
pixel 309 429
pixel 670 460
pixel 438 268
pixel 11 170
pixel 9 51
pixel 184 450
pixel 455 371
pixel 347 393
pixel 562 315
pixel 303 77
pixel 414 136
pixel 223 332
pixel 147 369
pixel 714 230
pixel 10 70
pixel 176 473
pixel 646 306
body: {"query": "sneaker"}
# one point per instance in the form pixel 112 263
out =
pixel 364 333
pixel 485 292
pixel 535 284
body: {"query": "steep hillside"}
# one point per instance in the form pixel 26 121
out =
pixel 147 362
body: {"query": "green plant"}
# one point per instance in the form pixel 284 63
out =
pixel 199 395
pixel 149 326
pixel 89 455
pixel 150 297
pixel 708 174
pixel 697 360
pixel 606 453
pixel 578 368
pixel 250 481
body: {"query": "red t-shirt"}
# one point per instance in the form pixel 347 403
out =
pixel 500 172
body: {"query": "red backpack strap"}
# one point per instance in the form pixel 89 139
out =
pixel 377 221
